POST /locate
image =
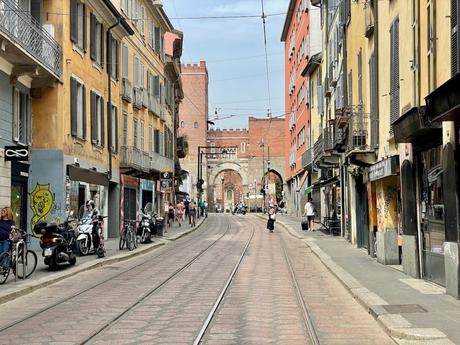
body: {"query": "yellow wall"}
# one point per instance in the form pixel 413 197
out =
pixel 387 203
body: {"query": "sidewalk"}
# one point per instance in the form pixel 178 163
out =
pixel 42 277
pixel 412 311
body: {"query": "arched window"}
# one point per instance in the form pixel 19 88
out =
pixel 195 124
pixel 243 147
pixel 182 124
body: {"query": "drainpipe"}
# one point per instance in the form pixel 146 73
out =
pixel 109 100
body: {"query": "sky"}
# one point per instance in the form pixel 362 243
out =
pixel 234 52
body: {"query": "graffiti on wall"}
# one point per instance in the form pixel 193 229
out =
pixel 386 207
pixel 41 203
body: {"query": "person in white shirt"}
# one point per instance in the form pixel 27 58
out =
pixel 309 212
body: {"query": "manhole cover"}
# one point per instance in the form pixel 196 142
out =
pixel 404 308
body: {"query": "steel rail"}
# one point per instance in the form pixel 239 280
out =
pixel 211 314
pixel 66 299
pixel 107 325
pixel 306 314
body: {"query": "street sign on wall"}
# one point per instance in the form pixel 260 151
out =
pixel 166 181
pixel 17 153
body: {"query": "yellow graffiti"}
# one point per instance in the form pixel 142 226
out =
pixel 41 203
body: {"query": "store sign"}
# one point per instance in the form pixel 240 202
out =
pixel 166 181
pixel 384 168
pixel 16 153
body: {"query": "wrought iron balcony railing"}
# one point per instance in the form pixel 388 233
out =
pixel 154 106
pixel 358 132
pixel 135 158
pixel 307 158
pixel 328 138
pixel 318 148
pixel 368 20
pixel 19 27
pixel 138 97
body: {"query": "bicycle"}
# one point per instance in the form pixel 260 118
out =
pixel 128 236
pixel 15 257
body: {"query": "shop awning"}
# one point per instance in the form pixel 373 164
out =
pixel 443 104
pixel 309 189
pixel 302 181
pixel 87 175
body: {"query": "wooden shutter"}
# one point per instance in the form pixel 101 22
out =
pixel 157 39
pixel 73 21
pixel 84 110
pixel 454 37
pixel 73 107
pixel 109 48
pixel 93 115
pixel 115 120
pixel 84 28
pixel 116 59
pixel 92 35
pixel 156 86
pixel 102 129
pixel 125 61
pixel 102 45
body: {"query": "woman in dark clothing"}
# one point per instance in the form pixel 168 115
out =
pixel 6 222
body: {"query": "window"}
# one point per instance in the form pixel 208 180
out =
pixel 213 150
pixel 21 117
pixel 394 72
pixel 135 130
pixel 78 108
pixel 157 140
pixel 150 139
pixel 113 139
pixel 113 58
pixel 141 75
pixel 182 124
pixel 125 53
pixel 157 39
pixel 97 119
pixel 141 19
pixel 243 147
pixel 136 71
pixel 125 129
pixel 195 124
pixel 96 40
pixel 142 136
pixel 78 23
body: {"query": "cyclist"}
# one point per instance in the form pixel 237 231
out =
pixel 6 223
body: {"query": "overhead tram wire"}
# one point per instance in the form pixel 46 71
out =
pixel 266 59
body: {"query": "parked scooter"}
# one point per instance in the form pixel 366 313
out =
pixel 57 243
pixel 146 224
pixel 85 237
pixel 239 209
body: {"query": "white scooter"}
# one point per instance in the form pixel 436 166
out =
pixel 145 227
pixel 85 231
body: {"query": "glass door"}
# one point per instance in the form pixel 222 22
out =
pixel 432 211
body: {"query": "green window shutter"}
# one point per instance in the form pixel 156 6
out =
pixel 84 28
pixel 84 110
pixel 73 107
pixel 73 21
pixel 93 116
pixel 102 129
pixel 92 35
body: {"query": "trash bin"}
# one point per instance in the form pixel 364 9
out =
pixel 159 226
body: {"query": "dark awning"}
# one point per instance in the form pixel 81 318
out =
pixel 414 127
pixel 443 104
pixel 86 175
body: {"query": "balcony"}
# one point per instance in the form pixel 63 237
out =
pixel 318 147
pixel 307 158
pixel 138 97
pixel 332 75
pixel 33 51
pixel 154 106
pixel 368 20
pixel 126 90
pixel 328 139
pixel 359 148
pixel 136 162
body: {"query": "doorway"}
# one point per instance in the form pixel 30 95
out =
pixel 362 225
pixel 129 203
pixel 19 202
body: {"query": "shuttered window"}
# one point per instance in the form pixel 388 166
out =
pixel 97 119
pixel 394 72
pixel 96 40
pixel 113 133
pixel 157 140
pixel 150 139
pixel 136 71
pixel 157 39
pixel 112 57
pixel 373 103
pixel 360 80
pixel 125 129
pixel 135 134
pixel 78 23
pixel 125 73
pixel 78 108
pixel 142 138
pixel 454 18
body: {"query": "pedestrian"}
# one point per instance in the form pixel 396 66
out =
pixel 201 206
pixel 192 212
pixel 187 208
pixel 205 209
pixel 166 214
pixel 170 214
pixel 271 218
pixel 180 212
pixel 309 212
pixel 6 222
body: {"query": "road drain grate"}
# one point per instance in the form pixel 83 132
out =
pixel 404 308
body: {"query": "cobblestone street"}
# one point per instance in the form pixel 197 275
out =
pixel 165 296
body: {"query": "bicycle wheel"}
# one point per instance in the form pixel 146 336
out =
pixel 5 264
pixel 130 238
pixel 30 264
pixel 122 242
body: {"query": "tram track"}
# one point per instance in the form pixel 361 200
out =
pixel 129 270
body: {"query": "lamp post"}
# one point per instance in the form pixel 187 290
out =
pixel 255 195
pixel 222 195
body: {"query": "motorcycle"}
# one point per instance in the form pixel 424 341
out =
pixel 146 224
pixel 57 243
pixel 85 237
pixel 240 209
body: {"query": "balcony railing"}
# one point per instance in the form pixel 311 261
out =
pixel 134 158
pixel 307 158
pixel 358 132
pixel 138 97
pixel 318 147
pixel 154 105
pixel 126 90
pixel 328 138
pixel 21 28
pixel 368 20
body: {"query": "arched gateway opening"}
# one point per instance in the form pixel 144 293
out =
pixel 227 190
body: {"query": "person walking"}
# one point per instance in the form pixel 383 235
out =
pixel 192 211
pixel 309 212
pixel 205 209
pixel 180 212
pixel 271 218
pixel 201 207
pixel 6 222
pixel 170 214
pixel 187 209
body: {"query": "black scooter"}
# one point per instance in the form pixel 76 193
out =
pixel 57 243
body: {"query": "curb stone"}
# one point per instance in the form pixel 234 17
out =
pixel 395 325
pixel 27 288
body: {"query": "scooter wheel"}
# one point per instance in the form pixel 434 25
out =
pixel 73 261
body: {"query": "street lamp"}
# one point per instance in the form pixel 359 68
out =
pixel 255 195
pixel 222 196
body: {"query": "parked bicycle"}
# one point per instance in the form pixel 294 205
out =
pixel 128 235
pixel 19 259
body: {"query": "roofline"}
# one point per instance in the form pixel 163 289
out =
pixel 117 14
pixel 166 19
pixel 312 64
pixel 287 21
